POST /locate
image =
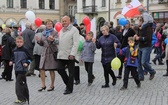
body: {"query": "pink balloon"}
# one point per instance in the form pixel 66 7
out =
pixel 38 22
pixel 86 20
pixel 58 26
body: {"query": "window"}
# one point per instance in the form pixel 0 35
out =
pixel 103 3
pixel 10 3
pixel 118 1
pixel 41 4
pixel 128 0
pixel 84 3
pixel 70 10
pixel 52 4
pixel 75 10
pixel 23 3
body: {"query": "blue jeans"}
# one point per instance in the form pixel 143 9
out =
pixel 143 61
pixel 148 57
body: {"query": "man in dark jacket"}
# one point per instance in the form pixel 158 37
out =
pixel 28 36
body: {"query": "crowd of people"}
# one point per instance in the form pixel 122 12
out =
pixel 44 49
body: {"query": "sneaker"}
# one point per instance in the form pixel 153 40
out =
pixel 20 102
pixel 139 85
pixel 123 88
pixel 152 76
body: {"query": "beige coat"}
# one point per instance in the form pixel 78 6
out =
pixel 47 61
pixel 68 42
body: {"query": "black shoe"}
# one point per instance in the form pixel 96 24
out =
pixel 9 79
pixel 114 82
pixel 28 74
pixel 145 73
pixel 105 86
pixel 51 89
pixel 42 88
pixel 154 61
pixel 32 74
pixel 165 75
pixel 77 82
pixel 67 92
pixel 141 79
pixel 139 85
pixel 119 77
pixel 123 88
pixel 160 63
pixel 152 76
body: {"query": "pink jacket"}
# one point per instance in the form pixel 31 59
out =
pixel 158 43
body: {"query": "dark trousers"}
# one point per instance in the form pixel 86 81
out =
pixel 107 71
pixel 77 73
pixel 121 57
pixel 68 79
pixel 89 69
pixel 7 73
pixel 134 73
pixel 21 88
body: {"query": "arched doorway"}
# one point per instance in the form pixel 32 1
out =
pixel 11 22
pixel 100 23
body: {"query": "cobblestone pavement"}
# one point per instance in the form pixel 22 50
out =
pixel 152 92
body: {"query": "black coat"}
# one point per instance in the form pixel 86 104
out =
pixel 8 44
pixel 124 39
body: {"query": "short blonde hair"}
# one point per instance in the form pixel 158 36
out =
pixel 20 38
pixel 106 27
pixel 7 30
pixel 131 39
pixel 47 21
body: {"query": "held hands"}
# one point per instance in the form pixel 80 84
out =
pixel 115 45
pixel 136 37
pixel 25 64
pixel 10 63
pixel 51 38
pixel 71 57
pixel 93 40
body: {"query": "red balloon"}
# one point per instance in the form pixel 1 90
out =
pixel 86 20
pixel 88 29
pixel 58 26
pixel 38 22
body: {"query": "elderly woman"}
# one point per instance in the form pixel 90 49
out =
pixel 47 61
pixel 108 42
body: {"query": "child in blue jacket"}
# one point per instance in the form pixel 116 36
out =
pixel 21 57
pixel 130 62
pixel 87 56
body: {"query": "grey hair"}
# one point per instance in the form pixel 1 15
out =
pixel 141 9
pixel 28 24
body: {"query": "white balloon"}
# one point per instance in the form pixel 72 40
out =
pixel 30 16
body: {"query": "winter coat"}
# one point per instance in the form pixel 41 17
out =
pixel 68 42
pixel 131 58
pixel 106 43
pixel 88 51
pixel 158 43
pixel 19 57
pixel 8 45
pixel 124 39
pixel 47 61
pixel 28 36
pixel 37 50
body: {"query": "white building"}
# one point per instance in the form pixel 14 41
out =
pixel 14 10
pixel 110 10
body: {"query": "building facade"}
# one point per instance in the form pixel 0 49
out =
pixel 110 10
pixel 13 11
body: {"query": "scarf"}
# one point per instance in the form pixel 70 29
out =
pixel 47 32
